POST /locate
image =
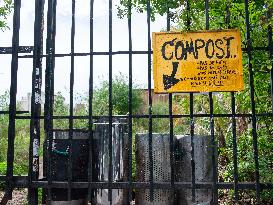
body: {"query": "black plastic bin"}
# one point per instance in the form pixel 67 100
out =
pixel 59 163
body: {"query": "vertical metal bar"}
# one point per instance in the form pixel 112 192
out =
pixel 214 171
pixel 253 106
pixel 270 46
pixel 110 174
pixel 49 89
pixel 90 110
pixel 234 134
pixel 171 117
pixel 47 73
pixel 130 99
pixel 188 22
pixel 192 148
pixel 171 114
pixel 47 102
pixel 150 102
pixel 71 103
pixel 207 14
pixel 168 20
pixel 13 92
pixel 228 13
pixel 36 101
pixel 214 165
pixel 235 150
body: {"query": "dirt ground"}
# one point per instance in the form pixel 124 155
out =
pixel 19 197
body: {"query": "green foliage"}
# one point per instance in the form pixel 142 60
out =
pixel 246 165
pixel 60 108
pixel 159 125
pixel 3 125
pixel 5 10
pixel 21 132
pixel 17 170
pixel 179 14
pixel 120 97
pixel 157 6
pixel 4 101
pixel 21 143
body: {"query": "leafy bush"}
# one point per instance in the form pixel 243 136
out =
pixel 17 170
pixel 5 10
pixel 21 142
pixel 120 97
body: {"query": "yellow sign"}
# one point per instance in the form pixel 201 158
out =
pixel 201 61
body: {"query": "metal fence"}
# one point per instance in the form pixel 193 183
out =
pixel 32 181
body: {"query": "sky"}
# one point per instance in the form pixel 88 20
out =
pixel 101 43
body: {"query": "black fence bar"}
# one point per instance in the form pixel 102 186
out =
pixel 228 6
pixel 192 148
pixel 146 185
pixel 101 53
pixel 110 119
pixel 214 168
pixel 49 91
pixel 270 46
pixel 22 182
pixel 71 100
pixel 130 107
pixel 253 106
pixel 36 101
pixel 234 146
pixel 237 115
pixel 47 94
pixel 90 100
pixel 17 112
pixel 192 124
pixel 207 13
pixel 151 164
pixel 172 162
pixel 21 49
pixel 234 134
pixel 12 105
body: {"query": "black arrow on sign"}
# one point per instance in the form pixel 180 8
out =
pixel 170 81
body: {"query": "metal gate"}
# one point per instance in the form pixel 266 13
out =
pixel 32 181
